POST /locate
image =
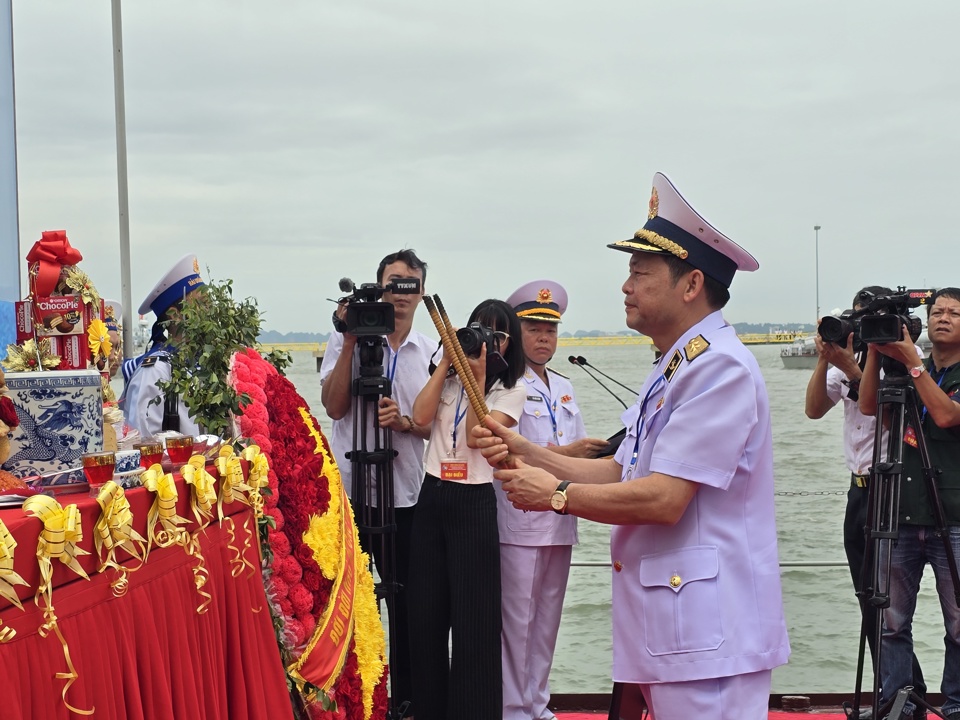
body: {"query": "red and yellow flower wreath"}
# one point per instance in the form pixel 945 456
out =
pixel 317 579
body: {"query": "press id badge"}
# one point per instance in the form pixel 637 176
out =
pixel 453 470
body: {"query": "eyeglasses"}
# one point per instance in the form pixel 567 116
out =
pixel 500 336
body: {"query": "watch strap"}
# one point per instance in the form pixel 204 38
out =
pixel 562 489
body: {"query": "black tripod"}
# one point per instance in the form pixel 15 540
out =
pixel 897 403
pixel 371 462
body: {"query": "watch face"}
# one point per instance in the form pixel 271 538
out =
pixel 558 501
pixel 915 372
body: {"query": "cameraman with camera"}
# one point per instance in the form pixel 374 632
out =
pixel 837 379
pixel 405 364
pixel 936 382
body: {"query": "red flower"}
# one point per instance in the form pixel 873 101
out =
pixel 300 599
pixel 279 543
pixel 8 412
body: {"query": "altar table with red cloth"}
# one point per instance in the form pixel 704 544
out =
pixel 147 655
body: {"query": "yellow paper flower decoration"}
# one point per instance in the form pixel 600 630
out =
pixel 30 357
pixel 98 338
pixel 76 279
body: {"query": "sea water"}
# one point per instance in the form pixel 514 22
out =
pixel 811 482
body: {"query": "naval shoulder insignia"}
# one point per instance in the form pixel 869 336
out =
pixel 150 361
pixel 696 347
pixel 565 377
pixel 671 369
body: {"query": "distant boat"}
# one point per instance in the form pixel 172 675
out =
pixel 801 354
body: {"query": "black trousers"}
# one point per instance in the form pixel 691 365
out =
pixel 455 593
pixel 855 530
pixel 401 685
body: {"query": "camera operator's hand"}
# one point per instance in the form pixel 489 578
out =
pixel 478 365
pixel 389 415
pixel 349 339
pixel 903 351
pixel 840 357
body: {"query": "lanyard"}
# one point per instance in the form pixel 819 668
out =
pixel 640 420
pixel 553 416
pixel 457 417
pixel 392 369
pixel 943 374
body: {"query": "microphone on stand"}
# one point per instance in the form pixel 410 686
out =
pixel 576 361
pixel 581 360
pixel 613 442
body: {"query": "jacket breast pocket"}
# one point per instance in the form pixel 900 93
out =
pixel 535 423
pixel 681 600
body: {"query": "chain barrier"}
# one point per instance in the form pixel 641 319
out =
pixel 804 493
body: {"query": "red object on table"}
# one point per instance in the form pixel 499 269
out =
pixel 146 655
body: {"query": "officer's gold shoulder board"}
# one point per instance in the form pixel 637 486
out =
pixel 671 369
pixel 565 377
pixel 696 347
pixel 150 361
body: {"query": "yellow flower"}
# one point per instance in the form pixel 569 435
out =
pixel 98 338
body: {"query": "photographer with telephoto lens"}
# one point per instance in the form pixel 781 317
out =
pixel 936 382
pixel 455 549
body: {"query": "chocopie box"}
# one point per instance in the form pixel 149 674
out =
pixel 55 316
pixel 73 351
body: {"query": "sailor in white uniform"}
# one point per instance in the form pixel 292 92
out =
pixel 144 372
pixel 698 619
pixel 535 548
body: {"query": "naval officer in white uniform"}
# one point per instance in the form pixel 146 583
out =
pixel 535 548
pixel 144 372
pixel 698 620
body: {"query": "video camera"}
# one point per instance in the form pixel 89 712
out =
pixel 879 320
pixel 473 337
pixel 366 314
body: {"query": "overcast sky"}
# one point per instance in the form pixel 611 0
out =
pixel 290 143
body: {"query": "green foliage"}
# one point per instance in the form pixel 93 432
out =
pixel 280 359
pixel 209 328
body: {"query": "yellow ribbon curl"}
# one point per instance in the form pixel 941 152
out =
pixel 201 502
pixel 163 510
pixel 61 532
pixel 8 578
pixel 204 489
pixel 234 488
pixel 258 476
pixel 115 530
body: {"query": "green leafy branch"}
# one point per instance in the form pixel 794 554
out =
pixel 207 330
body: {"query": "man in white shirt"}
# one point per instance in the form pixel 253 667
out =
pixel 406 360
pixel 837 379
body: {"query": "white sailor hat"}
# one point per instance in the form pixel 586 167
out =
pixel 542 300
pixel 674 227
pixel 112 315
pixel 183 278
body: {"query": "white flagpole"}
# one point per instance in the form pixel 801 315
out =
pixel 9 214
pixel 126 296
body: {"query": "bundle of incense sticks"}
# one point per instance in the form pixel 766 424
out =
pixel 451 346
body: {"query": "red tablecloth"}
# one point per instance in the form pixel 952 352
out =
pixel 148 654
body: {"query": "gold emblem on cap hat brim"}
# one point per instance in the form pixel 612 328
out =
pixel 653 243
pixel 545 314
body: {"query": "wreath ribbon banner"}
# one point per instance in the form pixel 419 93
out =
pixel 322 660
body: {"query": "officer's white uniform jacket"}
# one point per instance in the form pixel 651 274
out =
pixel 700 599
pixel 142 388
pixel 543 528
